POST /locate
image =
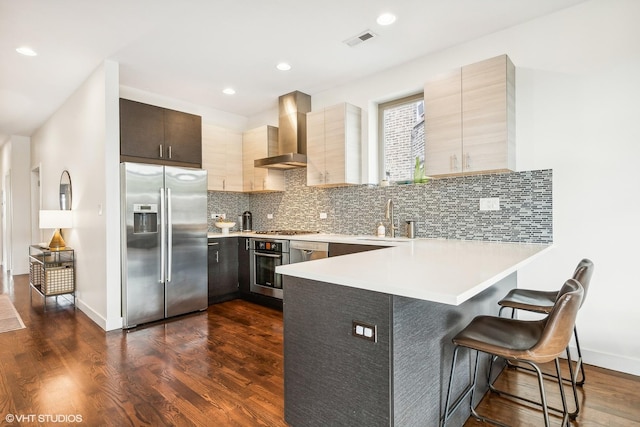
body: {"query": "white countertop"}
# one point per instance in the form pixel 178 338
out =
pixel 443 271
pixel 320 237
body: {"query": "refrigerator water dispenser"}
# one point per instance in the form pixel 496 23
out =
pixel 145 218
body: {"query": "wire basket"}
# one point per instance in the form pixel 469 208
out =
pixel 52 280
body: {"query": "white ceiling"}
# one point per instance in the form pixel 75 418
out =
pixel 191 49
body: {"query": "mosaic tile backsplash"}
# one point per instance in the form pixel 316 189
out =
pixel 444 208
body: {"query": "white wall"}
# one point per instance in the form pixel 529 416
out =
pixel 577 88
pixel 16 187
pixel 81 137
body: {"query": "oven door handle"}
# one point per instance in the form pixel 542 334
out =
pixel 267 255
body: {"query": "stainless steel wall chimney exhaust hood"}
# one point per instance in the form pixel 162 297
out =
pixel 292 133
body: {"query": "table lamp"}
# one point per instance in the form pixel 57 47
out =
pixel 56 220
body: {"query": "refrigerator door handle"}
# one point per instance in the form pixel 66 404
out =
pixel 169 236
pixel 163 236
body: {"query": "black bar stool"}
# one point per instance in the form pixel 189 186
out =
pixel 543 301
pixel 527 341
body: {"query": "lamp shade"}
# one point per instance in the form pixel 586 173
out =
pixel 56 219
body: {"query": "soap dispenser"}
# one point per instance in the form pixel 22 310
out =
pixel 381 230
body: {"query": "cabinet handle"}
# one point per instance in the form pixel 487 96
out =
pixel 217 257
pixel 326 177
pixel 468 158
pixel 163 235
pixel 455 162
pixel 321 177
pixel 169 151
pixel 224 184
pixel 161 154
pixel 246 244
pixel 169 236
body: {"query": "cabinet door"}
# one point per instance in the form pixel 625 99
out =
pixel 352 171
pixel 257 144
pixel 141 129
pixel 213 267
pixel 334 144
pixel 248 155
pixel 213 156
pixel 487 111
pixel 244 274
pixel 233 161
pixel 315 148
pixel 223 269
pixel 222 158
pixel 443 125
pixel 228 266
pixel 183 137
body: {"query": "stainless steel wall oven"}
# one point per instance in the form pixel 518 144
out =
pixel 265 256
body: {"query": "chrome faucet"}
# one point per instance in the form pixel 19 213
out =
pixel 388 215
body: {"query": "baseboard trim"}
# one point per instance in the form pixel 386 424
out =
pixel 106 324
pixel 613 362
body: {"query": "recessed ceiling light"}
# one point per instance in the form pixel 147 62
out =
pixel 229 91
pixel 283 66
pixel 26 51
pixel 386 19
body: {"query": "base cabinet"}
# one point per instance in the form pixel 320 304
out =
pixel 223 269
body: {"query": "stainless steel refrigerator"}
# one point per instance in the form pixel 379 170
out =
pixel 164 239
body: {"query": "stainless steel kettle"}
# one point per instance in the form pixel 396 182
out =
pixel 247 221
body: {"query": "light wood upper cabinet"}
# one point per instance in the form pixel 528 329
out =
pixel 334 146
pixel 257 144
pixel 443 124
pixel 470 119
pixel 222 158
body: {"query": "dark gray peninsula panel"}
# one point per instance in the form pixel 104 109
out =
pixel 333 377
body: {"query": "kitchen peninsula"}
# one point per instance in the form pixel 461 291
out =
pixel 367 336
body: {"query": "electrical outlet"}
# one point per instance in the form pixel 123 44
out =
pixel 323 215
pixel 217 216
pixel 364 331
pixel 269 216
pixel 490 204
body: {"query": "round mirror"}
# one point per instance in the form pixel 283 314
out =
pixel 65 191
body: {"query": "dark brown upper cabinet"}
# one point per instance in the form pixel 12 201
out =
pixel 151 134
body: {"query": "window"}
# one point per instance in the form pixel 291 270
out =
pixel 401 136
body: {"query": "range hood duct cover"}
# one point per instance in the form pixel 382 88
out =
pixel 292 133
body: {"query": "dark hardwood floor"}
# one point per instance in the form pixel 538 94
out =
pixel 222 367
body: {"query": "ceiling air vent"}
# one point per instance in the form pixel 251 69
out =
pixel 362 37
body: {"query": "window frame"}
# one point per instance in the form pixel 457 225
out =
pixel 382 107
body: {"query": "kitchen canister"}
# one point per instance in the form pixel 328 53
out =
pixel 411 229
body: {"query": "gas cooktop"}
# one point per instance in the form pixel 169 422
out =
pixel 287 232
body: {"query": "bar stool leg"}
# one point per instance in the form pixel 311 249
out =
pixel 468 390
pixel 572 376
pixel 579 365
